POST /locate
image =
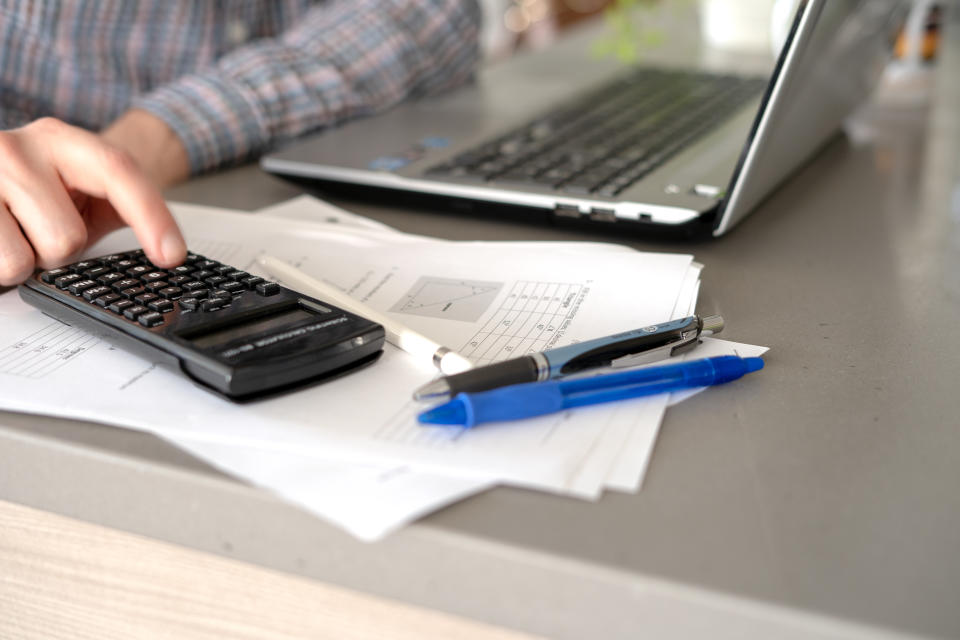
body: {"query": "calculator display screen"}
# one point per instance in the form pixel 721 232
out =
pixel 251 328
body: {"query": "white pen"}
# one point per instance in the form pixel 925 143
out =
pixel 443 358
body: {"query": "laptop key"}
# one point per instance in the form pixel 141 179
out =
pixel 607 191
pixel 585 182
pixel 553 177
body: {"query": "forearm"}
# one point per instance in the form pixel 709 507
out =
pixel 343 58
pixel 152 143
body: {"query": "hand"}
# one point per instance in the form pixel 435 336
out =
pixel 62 188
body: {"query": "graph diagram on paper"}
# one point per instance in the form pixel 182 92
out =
pixel 449 298
pixel 531 316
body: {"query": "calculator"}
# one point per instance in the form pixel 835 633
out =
pixel 233 333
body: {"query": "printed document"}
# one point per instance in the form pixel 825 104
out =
pixel 488 300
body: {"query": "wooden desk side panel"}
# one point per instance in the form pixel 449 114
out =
pixel 65 579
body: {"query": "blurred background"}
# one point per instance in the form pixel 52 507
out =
pixel 759 26
pixel 512 25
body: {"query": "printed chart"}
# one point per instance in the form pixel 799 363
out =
pixel 448 298
pixel 531 318
pixel 46 350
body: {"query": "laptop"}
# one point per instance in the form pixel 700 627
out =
pixel 642 147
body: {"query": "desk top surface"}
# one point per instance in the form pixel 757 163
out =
pixel 830 489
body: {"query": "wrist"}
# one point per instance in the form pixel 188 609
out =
pixel 152 143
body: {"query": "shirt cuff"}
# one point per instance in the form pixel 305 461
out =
pixel 215 118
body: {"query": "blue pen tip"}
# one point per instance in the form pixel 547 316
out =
pixel 449 413
pixel 753 364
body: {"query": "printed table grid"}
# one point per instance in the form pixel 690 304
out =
pixel 527 321
pixel 44 351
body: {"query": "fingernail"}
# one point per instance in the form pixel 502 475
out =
pixel 172 247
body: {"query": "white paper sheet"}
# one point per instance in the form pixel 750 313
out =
pixel 367 500
pixel 472 296
pixel 478 301
pixel 310 209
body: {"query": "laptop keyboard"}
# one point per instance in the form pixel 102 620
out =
pixel 603 142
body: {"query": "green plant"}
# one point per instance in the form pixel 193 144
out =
pixel 628 30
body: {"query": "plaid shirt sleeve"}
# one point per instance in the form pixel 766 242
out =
pixel 345 58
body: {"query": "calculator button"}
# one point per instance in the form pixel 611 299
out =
pixel 109 278
pixel 207 264
pixel 200 294
pixel 155 286
pixel 219 298
pixel 203 274
pixel 65 281
pixel 239 276
pixel 96 292
pixel 111 259
pixel 77 288
pixel 171 293
pixel 233 287
pixel 150 319
pixel 132 292
pixel 215 281
pixel 136 254
pixel 126 283
pixel 178 280
pixel 53 274
pixel 212 304
pixel 119 306
pixel 192 286
pixel 96 271
pixel 107 300
pixel 127 263
pixel 153 276
pixel 190 304
pixel 146 298
pixel 161 305
pixel 191 258
pixel 80 267
pixel 137 271
pixel 252 281
pixel 134 311
pixel 182 270
pixel 268 288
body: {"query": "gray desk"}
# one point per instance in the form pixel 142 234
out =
pixel 823 503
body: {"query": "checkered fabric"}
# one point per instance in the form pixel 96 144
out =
pixel 231 77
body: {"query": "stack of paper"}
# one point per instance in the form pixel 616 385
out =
pixel 350 450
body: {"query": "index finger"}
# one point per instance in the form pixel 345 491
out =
pixel 86 162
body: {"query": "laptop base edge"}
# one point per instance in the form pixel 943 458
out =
pixel 700 228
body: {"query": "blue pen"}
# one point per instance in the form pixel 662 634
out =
pixel 539 398
pixel 627 349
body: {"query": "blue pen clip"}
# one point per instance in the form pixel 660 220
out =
pixel 632 348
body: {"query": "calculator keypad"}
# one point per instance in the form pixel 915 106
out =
pixel 132 287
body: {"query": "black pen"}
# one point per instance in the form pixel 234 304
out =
pixel 627 349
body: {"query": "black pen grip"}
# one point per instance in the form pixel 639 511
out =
pixel 500 374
